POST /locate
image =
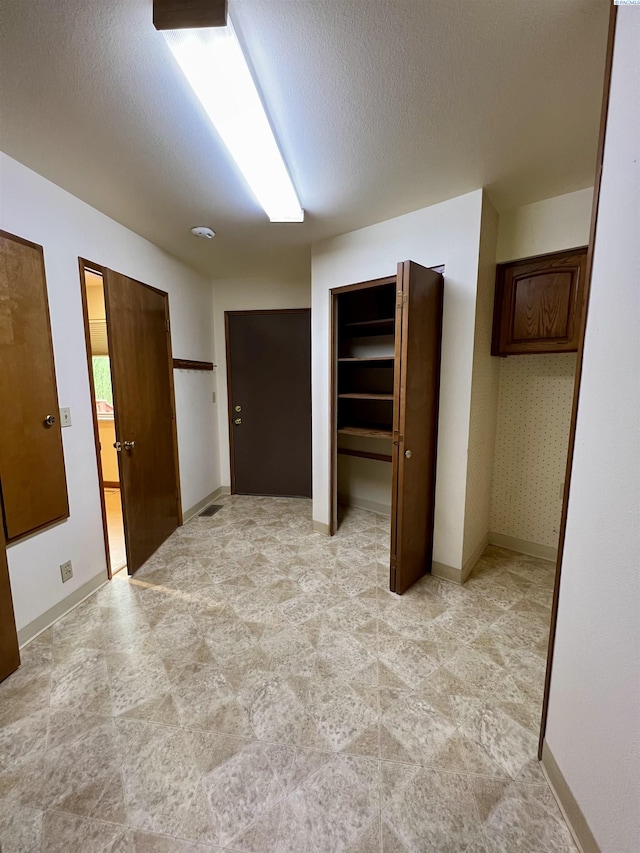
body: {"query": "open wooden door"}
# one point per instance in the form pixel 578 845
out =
pixel 142 377
pixel 417 383
pixel 9 654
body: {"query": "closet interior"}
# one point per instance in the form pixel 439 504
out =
pixel 386 368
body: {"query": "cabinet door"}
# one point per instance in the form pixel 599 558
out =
pixel 9 654
pixel 32 475
pixel 538 304
pixel 417 383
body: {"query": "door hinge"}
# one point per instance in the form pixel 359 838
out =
pixel 394 569
pixel 399 439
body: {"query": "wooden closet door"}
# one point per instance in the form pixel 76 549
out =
pixel 417 384
pixel 9 653
pixel 142 376
pixel 32 474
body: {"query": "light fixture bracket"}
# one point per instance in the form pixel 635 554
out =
pixel 189 14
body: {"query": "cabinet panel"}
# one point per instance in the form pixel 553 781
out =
pixel 32 474
pixel 538 304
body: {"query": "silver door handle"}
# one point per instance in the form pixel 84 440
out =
pixel 117 446
pixel 129 445
pixel 49 420
pixel 237 421
pixel 408 454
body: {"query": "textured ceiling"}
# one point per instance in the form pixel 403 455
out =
pixel 380 107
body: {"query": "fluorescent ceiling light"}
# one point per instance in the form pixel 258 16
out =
pixel 213 63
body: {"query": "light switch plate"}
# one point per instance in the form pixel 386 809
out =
pixel 65 417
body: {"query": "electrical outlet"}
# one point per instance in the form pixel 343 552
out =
pixel 66 570
pixel 65 417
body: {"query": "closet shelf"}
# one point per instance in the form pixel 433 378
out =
pixel 383 326
pixel 371 431
pixel 365 454
pixel 359 396
pixel 378 359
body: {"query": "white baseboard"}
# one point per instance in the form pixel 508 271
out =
pixel 46 620
pixel 445 572
pixel 545 552
pixel 475 555
pixel 569 807
pixel 196 508
pixel 363 503
pixel 321 527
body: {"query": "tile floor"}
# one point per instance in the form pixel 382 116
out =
pixel 256 688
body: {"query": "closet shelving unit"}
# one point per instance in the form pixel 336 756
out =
pixel 386 338
pixel 365 368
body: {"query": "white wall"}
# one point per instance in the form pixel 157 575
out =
pixel 446 233
pixel 550 225
pixel 484 396
pixel 593 726
pixel 288 291
pixel 39 211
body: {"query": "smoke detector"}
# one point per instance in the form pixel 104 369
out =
pixel 203 231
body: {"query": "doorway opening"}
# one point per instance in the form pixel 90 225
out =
pixel 130 367
pixel 104 419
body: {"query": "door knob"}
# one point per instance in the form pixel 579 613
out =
pixel 237 421
pixel 408 454
pixel 238 408
pixel 117 446
pixel 49 420
pixel 129 445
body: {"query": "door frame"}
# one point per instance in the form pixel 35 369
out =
pixel 99 269
pixel 578 374
pixel 227 345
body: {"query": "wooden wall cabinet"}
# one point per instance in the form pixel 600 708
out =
pixel 387 338
pixel 538 304
pixel 32 474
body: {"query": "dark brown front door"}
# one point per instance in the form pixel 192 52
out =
pixel 9 654
pixel 417 382
pixel 140 351
pixel 269 377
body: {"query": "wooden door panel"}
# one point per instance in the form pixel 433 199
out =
pixel 9 653
pixel 141 368
pixel 539 304
pixel 269 377
pixel 417 384
pixel 32 473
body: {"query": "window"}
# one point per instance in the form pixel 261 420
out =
pixel 102 385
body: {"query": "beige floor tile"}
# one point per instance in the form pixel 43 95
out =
pixel 255 687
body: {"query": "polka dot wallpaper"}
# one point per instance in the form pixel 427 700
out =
pixel 532 437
